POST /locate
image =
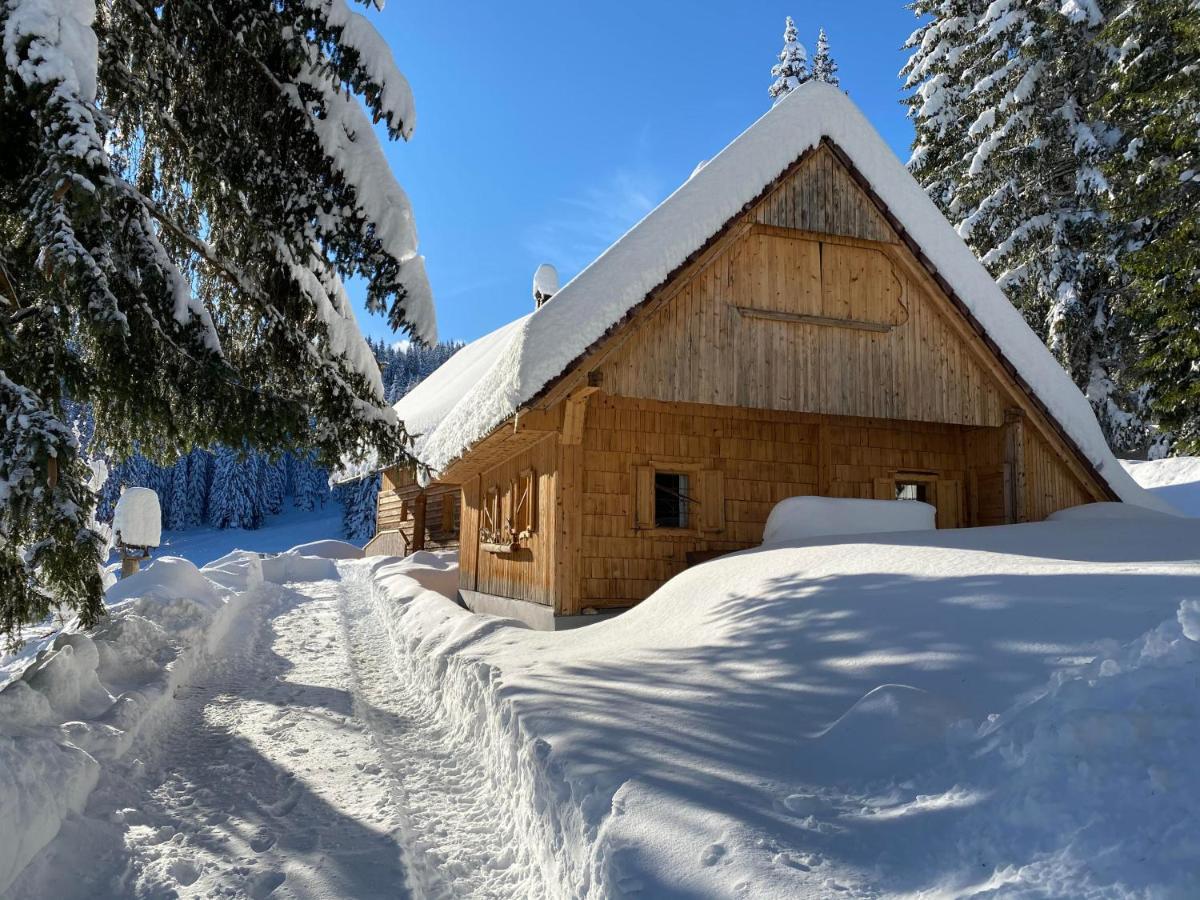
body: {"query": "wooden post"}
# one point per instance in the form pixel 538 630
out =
pixel 418 541
pixel 1014 464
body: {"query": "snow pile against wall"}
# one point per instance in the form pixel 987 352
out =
pixel 542 345
pixel 1176 480
pixel 86 697
pixel 945 711
pixel 802 518
pixel 137 521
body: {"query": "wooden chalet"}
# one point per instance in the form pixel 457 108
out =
pixel 809 326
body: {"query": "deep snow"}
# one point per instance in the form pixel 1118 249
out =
pixel 987 712
pixel 1176 480
pixel 1000 712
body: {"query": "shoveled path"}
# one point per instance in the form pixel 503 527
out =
pixel 301 766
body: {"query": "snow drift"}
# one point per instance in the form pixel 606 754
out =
pixel 952 712
pixel 802 518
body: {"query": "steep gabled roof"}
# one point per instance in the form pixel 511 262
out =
pixel 517 363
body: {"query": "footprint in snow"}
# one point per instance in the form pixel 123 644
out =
pixel 712 854
pixel 264 884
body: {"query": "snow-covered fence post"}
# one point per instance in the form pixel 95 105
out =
pixel 137 527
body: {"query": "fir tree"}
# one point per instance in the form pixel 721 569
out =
pixel 311 482
pixel 1155 182
pixel 1008 145
pixel 183 190
pixel 177 517
pixel 235 501
pixel 792 69
pixel 272 480
pixel 199 474
pixel 941 104
pixel 824 67
pixel 359 502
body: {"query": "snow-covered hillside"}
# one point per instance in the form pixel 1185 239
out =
pixel 1176 480
pixel 1000 712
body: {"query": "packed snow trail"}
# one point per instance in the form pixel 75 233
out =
pixel 298 767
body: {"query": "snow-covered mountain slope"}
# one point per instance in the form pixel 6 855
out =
pixel 957 712
pixel 1176 480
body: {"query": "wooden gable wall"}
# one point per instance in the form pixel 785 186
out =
pixel 789 317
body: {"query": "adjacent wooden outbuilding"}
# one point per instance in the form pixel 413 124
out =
pixel 807 347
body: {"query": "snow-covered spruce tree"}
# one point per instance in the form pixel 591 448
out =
pixel 235 500
pixel 941 104
pixel 792 69
pixel 359 503
pixel 199 477
pixel 183 189
pixel 1154 99
pixel 272 480
pixel 824 67
pixel 1029 192
pixel 311 482
pixel 176 518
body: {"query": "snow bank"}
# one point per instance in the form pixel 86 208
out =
pixel 538 348
pixel 946 712
pixel 85 697
pixel 803 518
pixel 1175 480
pixel 137 520
pixel 328 549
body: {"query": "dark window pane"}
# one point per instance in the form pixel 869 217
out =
pixel 670 500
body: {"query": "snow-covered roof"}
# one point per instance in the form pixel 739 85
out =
pixel 513 365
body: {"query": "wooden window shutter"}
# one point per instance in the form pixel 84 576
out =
pixel 885 489
pixel 711 495
pixel 525 502
pixel 949 504
pixel 643 496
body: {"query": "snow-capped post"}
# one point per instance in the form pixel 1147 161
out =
pixel 792 69
pixel 545 284
pixel 137 527
pixel 824 68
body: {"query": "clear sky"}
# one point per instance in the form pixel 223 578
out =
pixel 546 129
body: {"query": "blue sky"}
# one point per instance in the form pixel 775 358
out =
pixel 545 130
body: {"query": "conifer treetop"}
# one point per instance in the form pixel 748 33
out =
pixel 792 69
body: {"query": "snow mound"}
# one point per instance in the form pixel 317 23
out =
pixel 1175 480
pixel 1101 512
pixel 137 520
pixel 170 578
pixel 804 518
pixel 435 570
pixel 328 549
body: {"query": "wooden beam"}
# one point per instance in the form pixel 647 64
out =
pixel 1014 462
pixel 418 541
pixel 828 321
pixel 574 414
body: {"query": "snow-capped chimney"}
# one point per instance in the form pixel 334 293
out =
pixel 545 284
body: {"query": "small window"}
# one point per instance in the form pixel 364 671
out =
pixel 405 512
pixel 671 500
pixel 912 490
